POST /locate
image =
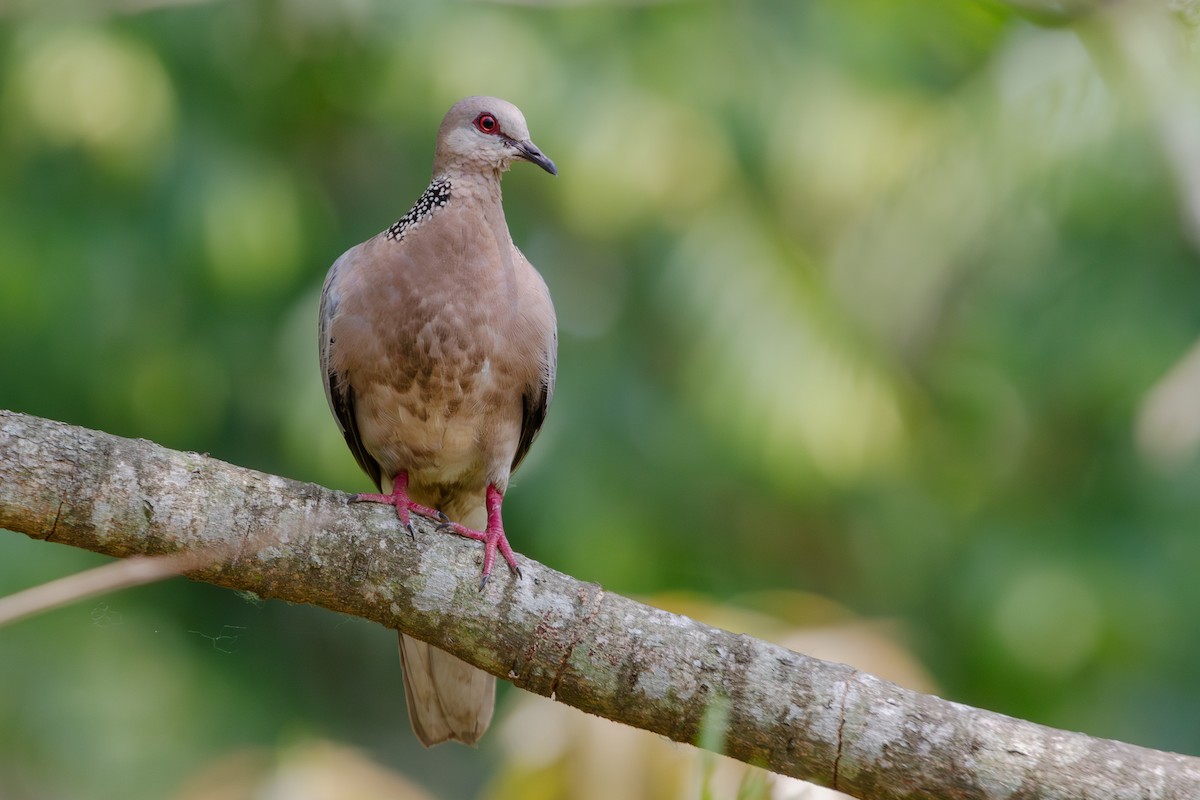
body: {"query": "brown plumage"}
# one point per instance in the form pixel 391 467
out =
pixel 438 347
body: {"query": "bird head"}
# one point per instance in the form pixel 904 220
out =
pixel 486 134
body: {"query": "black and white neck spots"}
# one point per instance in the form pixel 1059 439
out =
pixel 435 196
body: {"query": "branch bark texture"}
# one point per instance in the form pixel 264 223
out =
pixel 549 633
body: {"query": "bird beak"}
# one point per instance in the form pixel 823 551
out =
pixel 528 151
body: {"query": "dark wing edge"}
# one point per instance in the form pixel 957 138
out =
pixel 342 406
pixel 536 402
pixel 338 392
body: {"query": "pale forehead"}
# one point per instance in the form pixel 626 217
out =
pixel 467 109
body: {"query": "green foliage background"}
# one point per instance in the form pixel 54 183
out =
pixel 866 299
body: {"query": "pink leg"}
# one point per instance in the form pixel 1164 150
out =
pixel 399 499
pixel 493 538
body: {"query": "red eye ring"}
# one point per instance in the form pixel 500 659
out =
pixel 486 123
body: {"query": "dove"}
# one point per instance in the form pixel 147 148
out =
pixel 438 345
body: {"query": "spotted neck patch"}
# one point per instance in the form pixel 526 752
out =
pixel 435 196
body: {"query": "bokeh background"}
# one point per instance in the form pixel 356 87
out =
pixel 879 329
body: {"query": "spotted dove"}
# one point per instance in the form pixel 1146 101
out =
pixel 438 347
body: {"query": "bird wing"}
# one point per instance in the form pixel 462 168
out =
pixel 535 401
pixel 338 391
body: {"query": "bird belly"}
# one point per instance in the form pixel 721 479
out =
pixel 446 445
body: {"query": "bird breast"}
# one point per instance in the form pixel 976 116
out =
pixel 438 366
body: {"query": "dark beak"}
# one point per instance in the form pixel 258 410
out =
pixel 529 151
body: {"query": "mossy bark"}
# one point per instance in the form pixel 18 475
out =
pixel 549 633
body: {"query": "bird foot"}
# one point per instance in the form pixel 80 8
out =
pixel 403 504
pixel 494 539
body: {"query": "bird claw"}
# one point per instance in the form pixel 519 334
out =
pixel 400 500
pixel 512 567
pixel 494 541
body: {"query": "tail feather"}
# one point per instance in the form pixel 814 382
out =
pixel 447 698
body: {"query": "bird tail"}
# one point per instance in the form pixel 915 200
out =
pixel 448 699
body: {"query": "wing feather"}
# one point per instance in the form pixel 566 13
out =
pixel 338 391
pixel 535 402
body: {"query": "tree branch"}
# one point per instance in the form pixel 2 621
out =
pixel 548 633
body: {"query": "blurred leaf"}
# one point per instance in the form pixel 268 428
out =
pixel 892 304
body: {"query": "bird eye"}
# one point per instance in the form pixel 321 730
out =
pixel 486 123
